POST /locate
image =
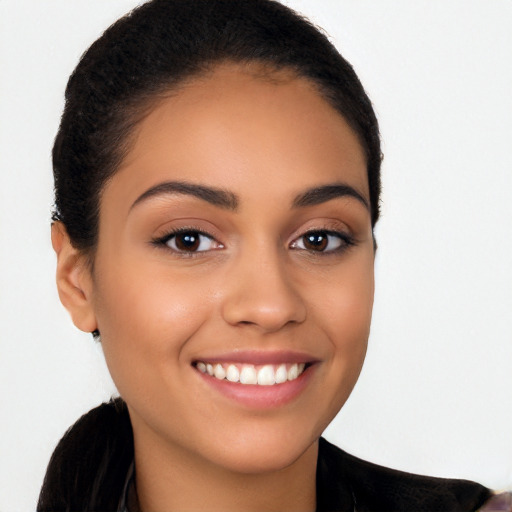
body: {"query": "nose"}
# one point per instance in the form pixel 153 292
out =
pixel 261 293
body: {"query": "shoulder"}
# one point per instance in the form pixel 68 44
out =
pixel 377 488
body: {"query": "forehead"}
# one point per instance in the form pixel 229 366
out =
pixel 244 128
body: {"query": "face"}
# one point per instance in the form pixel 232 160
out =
pixel 233 278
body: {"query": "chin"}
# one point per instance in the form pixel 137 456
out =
pixel 264 452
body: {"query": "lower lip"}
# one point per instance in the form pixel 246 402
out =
pixel 260 397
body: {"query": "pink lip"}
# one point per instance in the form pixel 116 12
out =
pixel 259 357
pixel 259 397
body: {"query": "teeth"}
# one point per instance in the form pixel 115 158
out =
pixel 219 372
pixel 281 374
pixel 248 375
pixel 233 374
pixel 293 372
pixel 266 375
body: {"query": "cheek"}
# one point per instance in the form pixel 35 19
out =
pixel 345 302
pixel 345 317
pixel 145 316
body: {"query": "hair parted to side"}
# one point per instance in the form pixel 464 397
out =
pixel 154 50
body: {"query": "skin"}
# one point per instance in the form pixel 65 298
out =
pixel 255 287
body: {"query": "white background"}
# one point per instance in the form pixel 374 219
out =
pixel 435 395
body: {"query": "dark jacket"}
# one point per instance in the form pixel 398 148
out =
pixel 96 454
pixel 345 482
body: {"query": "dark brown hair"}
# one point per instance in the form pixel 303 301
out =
pixel 157 48
pixel 150 52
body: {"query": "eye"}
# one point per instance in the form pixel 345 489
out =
pixel 322 241
pixel 189 241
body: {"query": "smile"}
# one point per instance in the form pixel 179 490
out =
pixel 257 380
pixel 261 375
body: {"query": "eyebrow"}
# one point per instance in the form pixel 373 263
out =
pixel 229 201
pixel 324 193
pixel 215 196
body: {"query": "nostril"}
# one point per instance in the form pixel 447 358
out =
pixel 269 303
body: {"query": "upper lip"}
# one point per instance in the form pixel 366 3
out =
pixel 259 357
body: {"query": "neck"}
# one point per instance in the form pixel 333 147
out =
pixel 173 480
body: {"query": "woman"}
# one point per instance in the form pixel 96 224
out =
pixel 217 185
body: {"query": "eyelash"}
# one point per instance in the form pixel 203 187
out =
pixel 345 241
pixel 164 240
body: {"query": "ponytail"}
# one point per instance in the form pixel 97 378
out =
pixel 88 469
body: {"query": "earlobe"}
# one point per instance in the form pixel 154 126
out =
pixel 74 280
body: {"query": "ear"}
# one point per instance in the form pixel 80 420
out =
pixel 74 280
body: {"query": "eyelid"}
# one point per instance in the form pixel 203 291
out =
pixel 347 240
pixel 163 241
pixel 328 227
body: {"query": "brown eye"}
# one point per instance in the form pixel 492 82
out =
pixel 323 241
pixel 191 241
pixel 187 241
pixel 315 241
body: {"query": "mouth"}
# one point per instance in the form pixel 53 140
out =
pixel 257 380
pixel 252 374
